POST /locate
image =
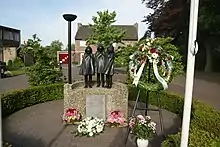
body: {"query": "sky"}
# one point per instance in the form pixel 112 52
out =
pixel 44 17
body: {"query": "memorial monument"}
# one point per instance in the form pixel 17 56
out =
pixel 97 101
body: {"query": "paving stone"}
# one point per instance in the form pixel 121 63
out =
pixel 41 126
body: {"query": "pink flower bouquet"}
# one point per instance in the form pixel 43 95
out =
pixel 71 116
pixel 115 119
pixel 142 127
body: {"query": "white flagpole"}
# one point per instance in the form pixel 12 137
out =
pixel 1 141
pixel 192 49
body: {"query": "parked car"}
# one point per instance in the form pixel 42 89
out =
pixel 2 69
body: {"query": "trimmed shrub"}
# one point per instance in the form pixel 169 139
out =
pixel 19 99
pixel 170 102
pixel 197 138
pixel 204 118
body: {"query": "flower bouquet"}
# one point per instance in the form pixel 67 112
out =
pixel 116 119
pixel 72 116
pixel 143 128
pixel 90 126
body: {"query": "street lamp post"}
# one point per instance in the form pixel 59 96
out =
pixel 69 18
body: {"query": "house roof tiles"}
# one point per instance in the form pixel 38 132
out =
pixel 131 32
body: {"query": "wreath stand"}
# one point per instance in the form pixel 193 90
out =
pixel 147 109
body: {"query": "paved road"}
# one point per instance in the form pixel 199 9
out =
pixel 21 82
pixel 206 86
pixel 13 83
pixel 206 90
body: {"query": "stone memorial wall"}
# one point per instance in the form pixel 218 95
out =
pixel 97 102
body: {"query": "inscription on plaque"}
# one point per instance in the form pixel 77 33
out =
pixel 95 106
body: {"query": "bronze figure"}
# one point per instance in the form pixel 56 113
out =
pixel 88 67
pixel 109 66
pixel 100 65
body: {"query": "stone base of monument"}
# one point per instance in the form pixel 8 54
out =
pixel 96 102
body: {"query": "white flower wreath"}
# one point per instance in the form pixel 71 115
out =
pixel 156 56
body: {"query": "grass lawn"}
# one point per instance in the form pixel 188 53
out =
pixel 15 72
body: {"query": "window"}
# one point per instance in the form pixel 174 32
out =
pixel 11 36
pixel 16 36
pixel 82 43
pixel 6 35
pixel 0 33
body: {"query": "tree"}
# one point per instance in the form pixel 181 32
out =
pixel 45 69
pixel 31 47
pixel 172 19
pixel 209 31
pixel 103 30
pixel 52 49
pixel 72 47
pixel 56 45
pixel 122 55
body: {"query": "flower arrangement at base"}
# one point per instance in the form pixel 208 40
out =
pixel 115 119
pixel 90 126
pixel 71 116
pixel 142 127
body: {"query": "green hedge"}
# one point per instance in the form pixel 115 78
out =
pixel 19 99
pixel 204 118
pixel 197 138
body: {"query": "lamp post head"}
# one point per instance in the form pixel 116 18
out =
pixel 69 17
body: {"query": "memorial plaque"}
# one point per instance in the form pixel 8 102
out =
pixel 95 106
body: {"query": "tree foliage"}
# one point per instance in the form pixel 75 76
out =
pixel 171 18
pixel 103 31
pixel 56 45
pixel 122 55
pixel 31 47
pixel 72 47
pixel 45 69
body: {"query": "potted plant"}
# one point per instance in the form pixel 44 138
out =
pixel 71 116
pixel 143 128
pixel 116 119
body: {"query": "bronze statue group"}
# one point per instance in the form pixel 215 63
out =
pixel 102 63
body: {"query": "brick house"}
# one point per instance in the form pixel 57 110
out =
pixel 83 32
pixel 9 42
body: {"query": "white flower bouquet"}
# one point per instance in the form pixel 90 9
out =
pixel 90 126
